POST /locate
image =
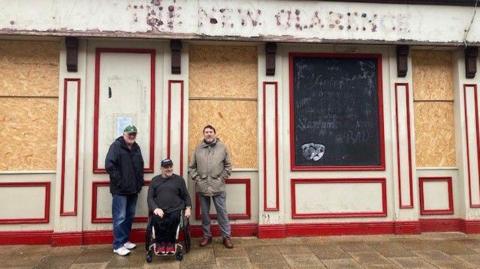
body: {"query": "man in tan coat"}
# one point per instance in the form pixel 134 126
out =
pixel 210 167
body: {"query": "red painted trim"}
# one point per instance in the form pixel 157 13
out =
pixel 106 236
pixel 272 231
pixel 169 120
pixel 25 237
pixel 407 227
pixel 66 239
pixel 95 219
pixel 470 226
pixel 249 229
pixel 410 172
pixel 340 228
pixel 98 52
pixel 465 86
pixel 64 139
pixel 296 181
pixel 381 167
pixel 46 215
pixel 446 211
pixel 442 225
pixel 265 185
pixel 248 207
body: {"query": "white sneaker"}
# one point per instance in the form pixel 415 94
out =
pixel 122 251
pixel 129 245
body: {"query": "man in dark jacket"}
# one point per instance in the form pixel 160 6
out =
pixel 124 164
pixel 167 196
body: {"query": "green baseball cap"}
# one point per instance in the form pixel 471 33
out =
pixel 130 129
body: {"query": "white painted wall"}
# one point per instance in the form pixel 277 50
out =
pixel 314 21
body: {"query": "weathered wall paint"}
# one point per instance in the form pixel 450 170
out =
pixel 261 19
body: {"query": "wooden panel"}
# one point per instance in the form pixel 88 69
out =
pixel 29 68
pixel 29 134
pixel 225 71
pixel 236 125
pixel 432 75
pixel 435 134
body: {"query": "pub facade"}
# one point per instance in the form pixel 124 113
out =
pixel 342 118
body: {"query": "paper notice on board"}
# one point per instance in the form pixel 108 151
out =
pixel 123 122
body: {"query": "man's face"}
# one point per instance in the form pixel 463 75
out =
pixel 167 171
pixel 129 138
pixel 209 135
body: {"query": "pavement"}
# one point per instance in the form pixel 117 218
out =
pixel 428 250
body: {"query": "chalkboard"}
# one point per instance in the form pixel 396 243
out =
pixel 336 112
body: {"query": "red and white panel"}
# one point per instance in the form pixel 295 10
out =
pixel 404 149
pixel 270 147
pixel 124 95
pixel 24 202
pixel 472 143
pixel 70 132
pixel 175 125
pixel 238 200
pixel 102 203
pixel 436 196
pixel 338 198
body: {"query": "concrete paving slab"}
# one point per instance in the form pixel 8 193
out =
pixel 200 256
pixel 221 251
pixel 391 249
pixel 329 252
pixel 89 266
pixel 412 262
pixel 303 261
pixel 471 259
pixel 387 251
pixel 234 263
pixel 370 259
pixel 264 254
pixel 341 264
pixel 354 246
pixel 294 249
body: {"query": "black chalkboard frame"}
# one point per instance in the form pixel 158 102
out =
pixel 376 167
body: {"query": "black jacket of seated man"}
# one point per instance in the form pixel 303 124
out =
pixel 170 194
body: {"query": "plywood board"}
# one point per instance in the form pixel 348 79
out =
pixel 236 125
pixel 435 134
pixel 29 68
pixel 223 71
pixel 432 75
pixel 28 136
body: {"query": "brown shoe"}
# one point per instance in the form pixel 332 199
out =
pixel 205 241
pixel 227 242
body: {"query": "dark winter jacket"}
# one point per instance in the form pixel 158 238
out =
pixel 169 194
pixel 125 167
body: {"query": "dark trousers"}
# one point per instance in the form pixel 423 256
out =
pixel 123 212
pixel 166 227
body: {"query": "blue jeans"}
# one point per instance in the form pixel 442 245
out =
pixel 123 212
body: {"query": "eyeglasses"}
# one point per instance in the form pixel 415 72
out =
pixel 132 134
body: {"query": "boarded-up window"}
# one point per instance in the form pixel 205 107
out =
pixel 28 104
pixel 433 98
pixel 223 93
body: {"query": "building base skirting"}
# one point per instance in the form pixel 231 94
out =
pixel 252 229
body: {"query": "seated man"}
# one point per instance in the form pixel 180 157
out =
pixel 167 196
